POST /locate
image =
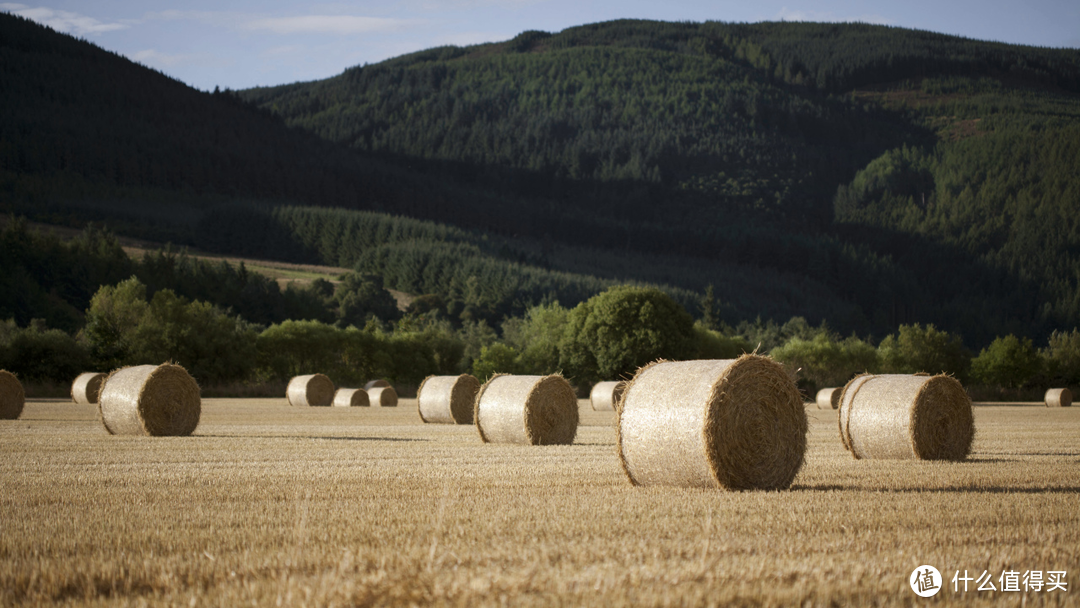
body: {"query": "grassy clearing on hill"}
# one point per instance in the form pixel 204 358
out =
pixel 269 504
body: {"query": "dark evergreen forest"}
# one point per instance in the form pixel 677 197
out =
pixel 862 175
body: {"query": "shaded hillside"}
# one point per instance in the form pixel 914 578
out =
pixel 863 175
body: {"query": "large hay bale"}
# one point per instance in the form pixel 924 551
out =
pixel 532 410
pixel 1058 397
pixel 376 384
pixel 737 424
pixel 85 388
pixel 447 399
pixel 383 396
pixel 605 395
pixel 906 417
pixel 351 397
pixel 828 398
pixel 310 390
pixel 12 396
pixel 161 400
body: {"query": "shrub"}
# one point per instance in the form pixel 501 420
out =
pixel 1009 362
pixel 39 354
pixel 496 359
pixel 824 361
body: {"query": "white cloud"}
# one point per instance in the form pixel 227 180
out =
pixel 787 14
pixel 63 21
pixel 325 24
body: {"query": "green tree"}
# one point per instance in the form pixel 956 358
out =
pixel 497 358
pixel 111 320
pixel 917 349
pixel 361 297
pixel 615 332
pixel 1008 362
pixel 536 336
pixel 1063 357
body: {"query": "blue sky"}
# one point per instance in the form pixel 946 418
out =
pixel 245 43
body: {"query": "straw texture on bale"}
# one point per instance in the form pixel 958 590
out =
pixel 1058 397
pixel 447 399
pixel 351 397
pixel 86 387
pixel 383 396
pixel 162 400
pixel 828 398
pixel 310 390
pixel 901 416
pixel 737 424
pixel 376 384
pixel 605 395
pixel 12 397
pixel 531 410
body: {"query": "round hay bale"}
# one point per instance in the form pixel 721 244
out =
pixel 531 410
pixel 86 387
pixel 351 397
pixel 1058 397
pixel 605 395
pixel 161 400
pixel 376 384
pixel 906 417
pixel 828 398
pixel 447 399
pixel 383 396
pixel 12 397
pixel 310 390
pixel 737 424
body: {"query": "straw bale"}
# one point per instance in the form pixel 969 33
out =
pixel 376 384
pixel 351 397
pixel 12 397
pixel 735 424
pixel 310 390
pixel 532 410
pixel 447 399
pixel 1058 397
pixel 161 400
pixel 85 388
pixel 828 398
pixel 906 417
pixel 605 395
pixel 383 396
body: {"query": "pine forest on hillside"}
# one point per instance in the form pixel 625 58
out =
pixel 863 178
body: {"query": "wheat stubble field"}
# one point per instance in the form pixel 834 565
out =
pixel 272 505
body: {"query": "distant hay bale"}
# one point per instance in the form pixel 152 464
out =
pixel 605 395
pixel 383 396
pixel 532 410
pixel 447 399
pixel 737 424
pixel 1058 397
pixel 86 387
pixel 376 384
pixel 351 397
pixel 12 397
pixel 906 417
pixel 310 390
pixel 828 398
pixel 155 400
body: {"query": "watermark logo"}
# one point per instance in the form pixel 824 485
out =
pixel 925 581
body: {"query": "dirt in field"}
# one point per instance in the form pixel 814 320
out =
pixel 273 505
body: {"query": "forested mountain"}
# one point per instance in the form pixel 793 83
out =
pixel 864 175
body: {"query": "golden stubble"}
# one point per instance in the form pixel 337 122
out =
pixel 273 505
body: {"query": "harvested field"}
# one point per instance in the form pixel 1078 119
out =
pixel 270 504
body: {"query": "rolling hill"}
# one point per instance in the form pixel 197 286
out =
pixel 863 175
